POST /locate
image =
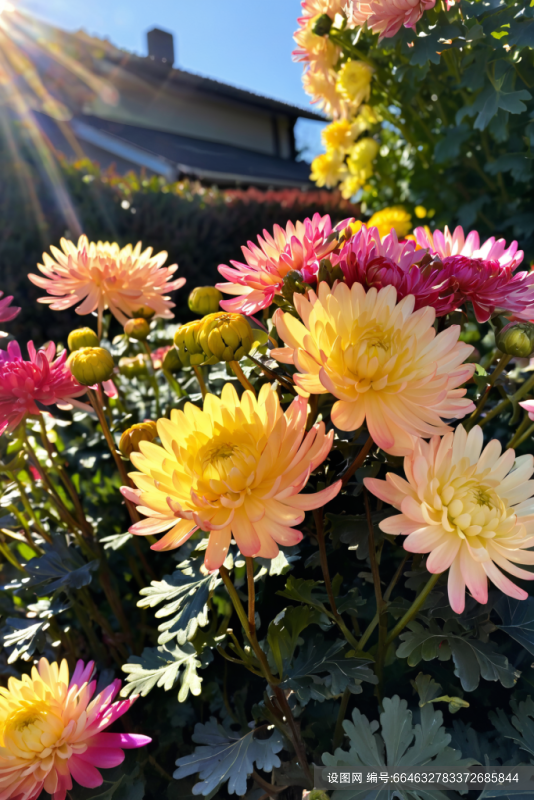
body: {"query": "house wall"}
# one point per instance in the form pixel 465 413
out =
pixel 176 109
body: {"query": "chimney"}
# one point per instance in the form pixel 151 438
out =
pixel 160 46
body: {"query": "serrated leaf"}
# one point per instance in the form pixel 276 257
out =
pixel 225 757
pixel 60 568
pixel 305 591
pixel 321 671
pixel 399 744
pixel 517 620
pixel 520 727
pixel 185 594
pixel 425 48
pixel 449 147
pixel 283 634
pixel 162 667
pixel 25 637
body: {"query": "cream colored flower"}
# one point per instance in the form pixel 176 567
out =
pixel 471 509
pixel 382 361
pixel 354 81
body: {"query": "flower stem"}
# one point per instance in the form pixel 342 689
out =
pixel 251 595
pixel 358 461
pixel 414 608
pixel 521 392
pixel 502 363
pixel 200 379
pixel 241 377
pixel 300 749
pixel 93 397
pixel 338 732
pixel 152 378
pixel 381 605
pixel 524 437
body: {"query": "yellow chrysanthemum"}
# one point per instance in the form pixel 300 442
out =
pixel 234 469
pixel 338 135
pixel 361 157
pixel 382 361
pixel 354 81
pixel 420 212
pixel 328 169
pixel 395 217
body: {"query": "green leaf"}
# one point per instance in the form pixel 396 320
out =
pixel 520 727
pixel 283 635
pixel 426 48
pixel 185 594
pixel 399 744
pixel 226 757
pixel 60 568
pixel 449 147
pixel 162 667
pixel 321 671
pixel 518 620
pixel 305 591
pixel 519 164
pixel 25 636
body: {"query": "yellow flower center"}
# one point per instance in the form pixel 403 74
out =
pixel 31 731
pixel 475 509
pixel 368 351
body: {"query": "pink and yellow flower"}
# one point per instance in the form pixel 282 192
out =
pixel 381 359
pixel 299 247
pixel 386 17
pixel 7 311
pixel 23 384
pixel 481 274
pixel 52 731
pixel 237 468
pixel 102 276
pixel 471 509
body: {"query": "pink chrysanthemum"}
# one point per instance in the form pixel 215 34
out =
pixel 482 275
pixel 375 262
pixel 23 384
pixel 387 17
pixel 471 509
pixel 7 311
pixel 51 732
pixel 102 276
pixel 299 247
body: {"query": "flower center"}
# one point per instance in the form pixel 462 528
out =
pixel 476 510
pixel 221 452
pixel 33 729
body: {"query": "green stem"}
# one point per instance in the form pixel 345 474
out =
pixel 152 378
pixel 503 361
pixel 338 732
pixel 381 606
pixel 242 378
pixel 519 432
pixel 358 461
pixel 521 392
pixel 414 608
pixel 201 381
pixel 173 383
pixel 525 436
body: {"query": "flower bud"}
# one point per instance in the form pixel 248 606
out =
pixel 145 312
pixel 133 367
pixel 82 337
pixel 329 273
pixel 190 352
pixel 204 300
pixel 225 337
pixel 171 361
pixel 292 283
pixel 91 365
pixel 137 329
pixel 142 432
pixel 516 339
pixel 322 24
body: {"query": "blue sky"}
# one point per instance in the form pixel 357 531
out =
pixel 246 43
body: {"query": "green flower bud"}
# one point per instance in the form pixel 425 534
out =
pixel 142 432
pixel 516 339
pixel 82 337
pixel 171 361
pixel 137 329
pixel 186 340
pixel 204 300
pixel 322 24
pixel 91 365
pixel 293 283
pixel 145 312
pixel 225 337
pixel 329 273
pixel 133 367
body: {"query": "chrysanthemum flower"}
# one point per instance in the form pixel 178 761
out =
pixel 472 510
pixel 328 169
pixel 7 311
pixel 361 157
pixel 377 262
pixel 338 135
pixel 482 275
pixel 354 81
pixel 52 732
pixel 392 217
pixel 386 17
pixel 380 359
pixel 299 247
pixel 321 86
pixel 234 469
pixel 23 384
pixel 102 276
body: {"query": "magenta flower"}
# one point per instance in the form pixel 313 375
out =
pixel 7 312
pixel 299 247
pixel 23 384
pixel 386 17
pixel 52 731
pixel 482 275
pixel 376 262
